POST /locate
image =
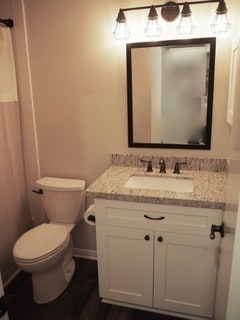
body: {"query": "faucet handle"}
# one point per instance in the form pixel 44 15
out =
pixel 176 169
pixel 162 166
pixel 149 165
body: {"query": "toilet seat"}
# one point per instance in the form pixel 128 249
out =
pixel 41 242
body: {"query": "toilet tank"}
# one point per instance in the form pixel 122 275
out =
pixel 63 200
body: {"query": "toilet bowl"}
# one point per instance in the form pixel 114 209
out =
pixel 46 250
pixel 46 253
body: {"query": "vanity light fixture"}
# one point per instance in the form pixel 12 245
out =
pixel 169 12
pixel 153 28
pixel 221 23
pixel 186 26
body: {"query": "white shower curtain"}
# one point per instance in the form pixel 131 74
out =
pixel 14 215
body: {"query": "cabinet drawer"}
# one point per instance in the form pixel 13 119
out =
pixel 180 219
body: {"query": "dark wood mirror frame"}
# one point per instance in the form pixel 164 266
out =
pixel 212 42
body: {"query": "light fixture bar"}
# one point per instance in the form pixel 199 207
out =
pixel 169 12
pixel 170 5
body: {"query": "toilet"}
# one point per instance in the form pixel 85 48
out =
pixel 46 250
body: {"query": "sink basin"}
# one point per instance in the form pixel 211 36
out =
pixel 160 183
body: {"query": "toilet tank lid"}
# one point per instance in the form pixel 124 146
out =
pixel 62 184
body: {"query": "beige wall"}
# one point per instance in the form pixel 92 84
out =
pixel 78 77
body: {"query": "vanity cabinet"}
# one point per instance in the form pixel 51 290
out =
pixel 157 256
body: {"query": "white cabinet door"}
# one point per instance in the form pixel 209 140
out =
pixel 185 269
pixel 125 264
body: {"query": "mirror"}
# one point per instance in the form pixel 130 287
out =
pixel 170 93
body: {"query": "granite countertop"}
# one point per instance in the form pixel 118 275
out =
pixel 209 188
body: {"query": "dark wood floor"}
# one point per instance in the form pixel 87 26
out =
pixel 80 301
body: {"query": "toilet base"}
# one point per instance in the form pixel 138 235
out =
pixel 48 285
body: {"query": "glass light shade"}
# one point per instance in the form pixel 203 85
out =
pixel 186 26
pixel 220 24
pixel 153 28
pixel 121 31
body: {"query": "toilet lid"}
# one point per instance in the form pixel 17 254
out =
pixel 40 241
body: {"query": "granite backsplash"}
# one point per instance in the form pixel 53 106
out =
pixel 193 164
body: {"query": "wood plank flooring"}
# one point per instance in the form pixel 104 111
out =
pixel 80 301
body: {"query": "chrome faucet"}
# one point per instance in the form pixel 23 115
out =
pixel 162 164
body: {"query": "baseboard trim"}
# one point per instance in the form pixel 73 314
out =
pixel 84 253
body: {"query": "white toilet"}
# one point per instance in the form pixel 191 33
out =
pixel 46 250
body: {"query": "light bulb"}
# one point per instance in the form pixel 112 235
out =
pixel 121 31
pixel 185 26
pixel 153 28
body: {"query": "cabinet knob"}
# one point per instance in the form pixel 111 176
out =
pixel 147 237
pixel 160 239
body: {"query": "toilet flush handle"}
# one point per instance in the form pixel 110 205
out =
pixel 39 191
